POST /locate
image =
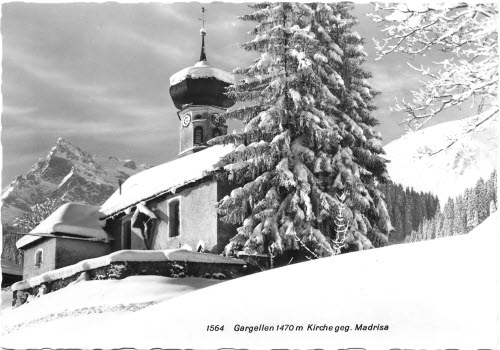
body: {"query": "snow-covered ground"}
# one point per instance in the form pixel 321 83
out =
pixel 432 294
pixel 6 299
pixel 107 297
pixel 450 172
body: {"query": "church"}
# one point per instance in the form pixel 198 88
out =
pixel 169 206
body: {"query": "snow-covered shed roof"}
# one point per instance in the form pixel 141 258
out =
pixel 73 219
pixel 163 178
pixel 201 70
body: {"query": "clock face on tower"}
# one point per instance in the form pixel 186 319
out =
pixel 217 119
pixel 186 120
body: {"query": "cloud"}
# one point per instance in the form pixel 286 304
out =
pixel 107 98
pixel 10 110
pixel 136 41
pixel 173 12
pixel 49 75
pixel 142 110
pixel 97 73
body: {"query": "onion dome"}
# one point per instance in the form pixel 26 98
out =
pixel 201 84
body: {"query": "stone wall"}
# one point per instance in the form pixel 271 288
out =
pixel 122 269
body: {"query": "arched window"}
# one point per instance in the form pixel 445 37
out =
pixel 216 132
pixel 39 257
pixel 198 135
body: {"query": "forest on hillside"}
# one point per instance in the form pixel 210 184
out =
pixel 407 209
pixel 418 216
pixel 461 214
pixel 9 250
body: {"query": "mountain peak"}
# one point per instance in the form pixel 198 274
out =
pixel 61 140
pixel 65 149
pixel 63 143
pixel 68 173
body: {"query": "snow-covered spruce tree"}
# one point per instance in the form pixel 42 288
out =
pixel 448 218
pixel 493 207
pixel 458 217
pixel 308 137
pixel 482 200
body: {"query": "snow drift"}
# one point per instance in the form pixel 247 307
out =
pixel 90 297
pixel 432 294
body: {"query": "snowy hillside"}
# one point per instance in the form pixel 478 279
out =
pixel 450 172
pixel 132 293
pixel 447 300
pixel 68 173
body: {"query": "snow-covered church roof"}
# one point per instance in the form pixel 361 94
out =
pixel 164 178
pixel 72 219
pixel 201 84
pixel 201 70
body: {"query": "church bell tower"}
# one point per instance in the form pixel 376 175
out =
pixel 198 92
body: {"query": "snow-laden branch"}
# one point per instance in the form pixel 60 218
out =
pixel 468 32
pixel 481 119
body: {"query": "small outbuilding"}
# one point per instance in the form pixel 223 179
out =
pixel 69 235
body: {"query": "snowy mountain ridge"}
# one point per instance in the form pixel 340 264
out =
pixel 449 172
pixel 68 173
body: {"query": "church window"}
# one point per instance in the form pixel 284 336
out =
pixel 126 234
pixel 198 135
pixel 216 132
pixel 39 257
pixel 174 218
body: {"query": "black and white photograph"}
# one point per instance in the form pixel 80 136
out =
pixel 255 175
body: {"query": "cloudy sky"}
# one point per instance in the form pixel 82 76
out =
pixel 98 75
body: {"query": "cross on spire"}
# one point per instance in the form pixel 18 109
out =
pixel 203 56
pixel 202 19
